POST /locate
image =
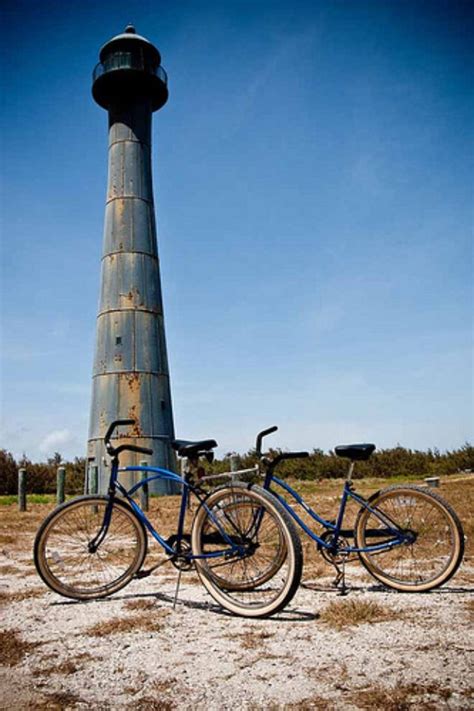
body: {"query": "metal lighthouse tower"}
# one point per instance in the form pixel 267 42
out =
pixel 130 373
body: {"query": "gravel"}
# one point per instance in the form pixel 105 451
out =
pixel 197 656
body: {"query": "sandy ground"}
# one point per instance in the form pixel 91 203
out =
pixel 416 652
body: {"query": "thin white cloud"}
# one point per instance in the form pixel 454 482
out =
pixel 55 439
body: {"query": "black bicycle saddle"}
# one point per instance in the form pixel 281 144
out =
pixel 185 448
pixel 355 452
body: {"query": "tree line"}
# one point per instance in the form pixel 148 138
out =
pixel 385 463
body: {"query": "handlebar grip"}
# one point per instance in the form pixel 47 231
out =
pixel 294 455
pixel 113 425
pixel 263 434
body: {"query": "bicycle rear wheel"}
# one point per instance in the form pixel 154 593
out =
pixel 62 555
pixel 264 577
pixel 435 548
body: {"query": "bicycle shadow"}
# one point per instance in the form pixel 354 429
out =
pixel 379 588
pixel 286 615
pixel 438 591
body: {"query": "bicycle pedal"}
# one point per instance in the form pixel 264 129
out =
pixel 143 574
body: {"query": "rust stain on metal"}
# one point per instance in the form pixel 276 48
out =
pixel 136 430
pixel 132 296
pixel 133 382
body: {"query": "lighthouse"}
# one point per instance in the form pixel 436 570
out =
pixel 130 371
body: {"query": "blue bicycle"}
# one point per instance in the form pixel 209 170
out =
pixel 242 542
pixel 408 538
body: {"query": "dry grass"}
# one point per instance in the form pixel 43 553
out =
pixel 9 570
pixel 59 701
pixel 402 698
pixel 347 613
pixel 136 623
pixel 470 609
pixel 149 703
pixel 6 596
pixel 161 698
pixel 18 529
pixel 13 649
pixel 70 666
pixel 253 639
pixel 312 703
pixel 141 604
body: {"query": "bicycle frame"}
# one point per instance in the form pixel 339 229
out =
pixel 399 537
pixel 159 473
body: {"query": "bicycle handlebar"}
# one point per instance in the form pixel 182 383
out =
pixel 287 455
pixel 272 463
pixel 115 451
pixel 113 425
pixel 133 448
pixel 261 435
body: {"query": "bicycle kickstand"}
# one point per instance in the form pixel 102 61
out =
pixel 341 577
pixel 178 582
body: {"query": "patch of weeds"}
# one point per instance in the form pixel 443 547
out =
pixel 70 666
pixel 9 499
pixel 346 613
pixel 401 698
pixel 165 686
pixel 136 623
pixel 67 667
pixel 161 700
pixel 9 570
pixel 469 605
pixel 148 703
pixel 316 702
pixel 19 595
pixel 253 640
pixel 59 700
pixel 141 604
pixel 13 649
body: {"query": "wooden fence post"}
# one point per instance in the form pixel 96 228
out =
pixel 22 490
pixel 94 479
pixel 234 465
pixel 94 484
pixel 144 494
pixel 60 482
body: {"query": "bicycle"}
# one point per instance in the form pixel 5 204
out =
pixel 407 538
pixel 94 545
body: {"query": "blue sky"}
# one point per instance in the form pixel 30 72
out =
pixel 313 174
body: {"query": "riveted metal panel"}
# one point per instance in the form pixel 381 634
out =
pixel 150 351
pixel 129 171
pixel 115 342
pixel 130 280
pixel 143 397
pixel 129 227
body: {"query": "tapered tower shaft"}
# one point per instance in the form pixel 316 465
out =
pixel 130 373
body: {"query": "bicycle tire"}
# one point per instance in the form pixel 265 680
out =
pixel 265 579
pixel 429 560
pixel 61 553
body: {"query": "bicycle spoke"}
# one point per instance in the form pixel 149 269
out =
pixel 69 562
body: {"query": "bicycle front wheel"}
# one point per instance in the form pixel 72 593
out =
pixel 263 576
pixel 64 561
pixel 435 545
